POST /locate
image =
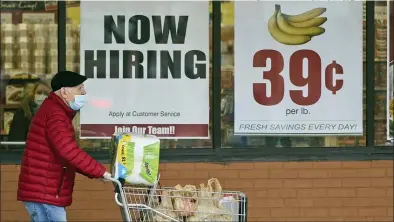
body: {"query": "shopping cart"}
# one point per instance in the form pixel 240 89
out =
pixel 156 204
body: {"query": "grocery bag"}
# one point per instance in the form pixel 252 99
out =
pixel 135 158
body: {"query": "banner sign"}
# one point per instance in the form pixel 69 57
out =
pixel 298 68
pixel 22 5
pixel 390 71
pixel 147 65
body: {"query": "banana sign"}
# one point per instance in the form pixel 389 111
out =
pixel 298 68
pixel 296 29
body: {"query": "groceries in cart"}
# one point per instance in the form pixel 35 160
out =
pixel 135 158
pixel 184 203
pixel 165 207
pixel 209 207
pixel 185 200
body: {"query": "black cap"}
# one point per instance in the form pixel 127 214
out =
pixel 66 79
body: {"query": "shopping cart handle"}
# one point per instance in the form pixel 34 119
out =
pixel 119 183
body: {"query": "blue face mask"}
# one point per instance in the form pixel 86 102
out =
pixel 78 102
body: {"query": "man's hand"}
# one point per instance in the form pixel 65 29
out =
pixel 106 177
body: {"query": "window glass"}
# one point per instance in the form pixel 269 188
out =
pixel 73 60
pixel 383 67
pixel 28 60
pixel 390 80
pixel 230 140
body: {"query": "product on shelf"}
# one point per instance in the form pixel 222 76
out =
pixel 39 61
pixel 5 18
pixel 70 43
pixel 8 53
pixel 7 119
pixel 53 67
pixel 380 106
pixel 383 75
pixel 40 42
pixel 346 141
pixel 24 29
pixel 381 33
pixel 14 94
pixel 71 54
pixel 70 29
pixel 23 55
pixel 227 54
pixel 8 30
pixel 364 31
pixel 227 103
pixel 32 48
pixel 256 141
pixel 71 66
pixel 40 30
pixel 52 31
pixel 228 13
pixel 52 43
pixel 300 142
pixel 18 74
pixel 376 75
pixel 34 18
pixel 227 78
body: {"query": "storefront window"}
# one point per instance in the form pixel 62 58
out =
pixel 28 60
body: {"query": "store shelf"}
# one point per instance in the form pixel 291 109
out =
pixel 378 88
pixel 380 118
pixel 9 106
pixel 20 75
pixel 380 60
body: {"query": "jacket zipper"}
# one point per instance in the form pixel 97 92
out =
pixel 61 183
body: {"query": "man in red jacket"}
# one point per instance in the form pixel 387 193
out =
pixel 52 156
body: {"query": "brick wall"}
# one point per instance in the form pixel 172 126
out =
pixel 289 191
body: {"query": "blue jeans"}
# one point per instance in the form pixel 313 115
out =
pixel 45 213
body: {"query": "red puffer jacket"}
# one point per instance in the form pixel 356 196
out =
pixel 52 156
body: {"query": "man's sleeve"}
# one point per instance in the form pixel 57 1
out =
pixel 84 174
pixel 61 137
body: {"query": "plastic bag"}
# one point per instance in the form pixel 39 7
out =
pixel 216 193
pixel 205 207
pixel 209 207
pixel 166 208
pixel 185 200
pixel 135 158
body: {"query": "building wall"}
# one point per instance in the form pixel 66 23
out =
pixel 277 191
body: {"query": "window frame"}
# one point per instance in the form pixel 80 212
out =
pixel 217 154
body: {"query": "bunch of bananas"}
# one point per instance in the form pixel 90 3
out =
pixel 296 29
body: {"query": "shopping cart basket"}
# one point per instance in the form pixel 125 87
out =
pixel 146 204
